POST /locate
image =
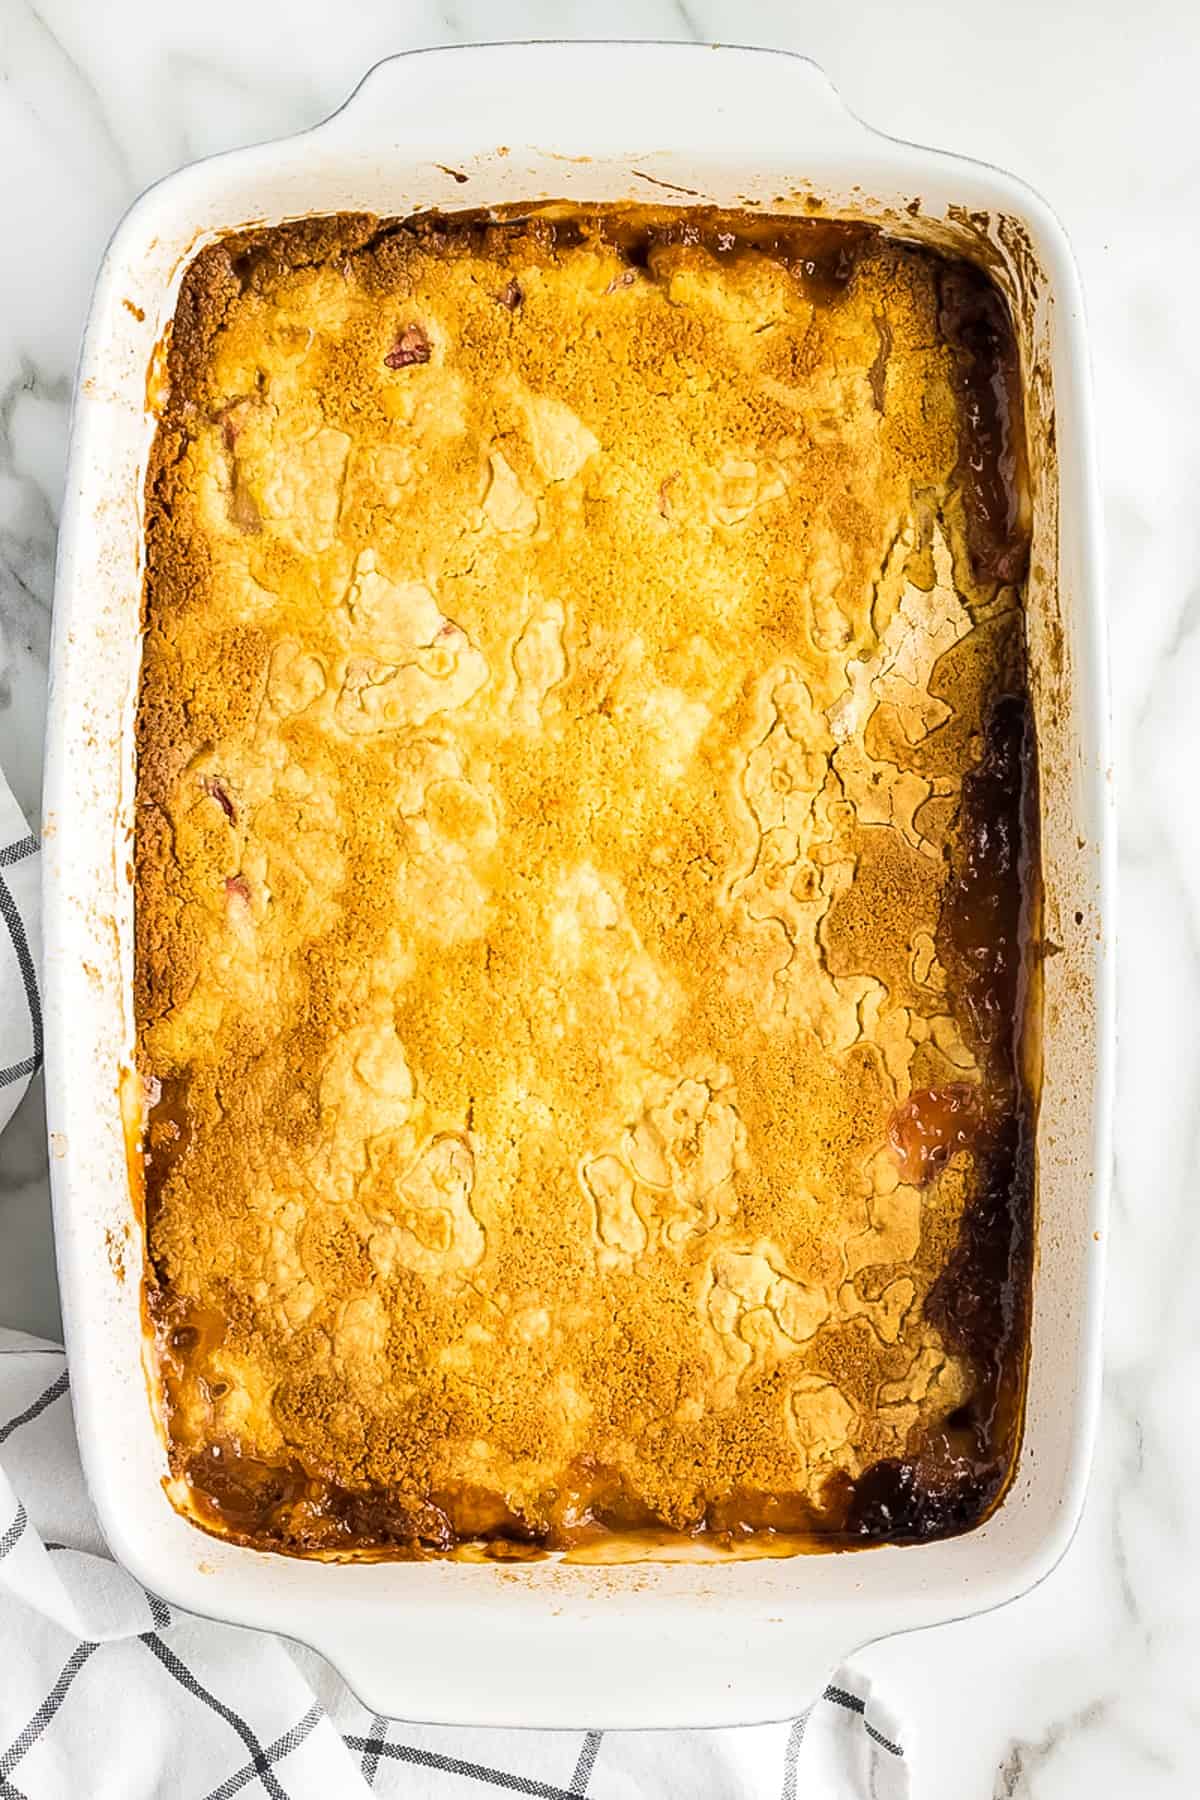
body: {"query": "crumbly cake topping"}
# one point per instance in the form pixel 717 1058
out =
pixel 578 887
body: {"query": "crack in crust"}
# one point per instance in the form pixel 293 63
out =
pixel 671 1179
pixel 423 1213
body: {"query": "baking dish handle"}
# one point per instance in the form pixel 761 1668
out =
pixel 729 1672
pixel 583 102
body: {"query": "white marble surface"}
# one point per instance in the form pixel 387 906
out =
pixel 1085 1687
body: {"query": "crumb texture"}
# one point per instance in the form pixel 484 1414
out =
pixel 581 758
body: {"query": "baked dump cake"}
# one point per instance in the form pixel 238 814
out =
pixel 584 870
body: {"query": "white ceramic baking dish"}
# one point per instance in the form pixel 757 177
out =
pixel 683 1644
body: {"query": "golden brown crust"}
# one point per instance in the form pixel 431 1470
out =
pixel 565 646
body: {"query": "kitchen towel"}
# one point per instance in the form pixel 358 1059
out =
pixel 107 1693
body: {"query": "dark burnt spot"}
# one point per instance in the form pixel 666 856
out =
pixel 982 927
pixel 980 1300
pixel 895 1503
pixel 993 472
